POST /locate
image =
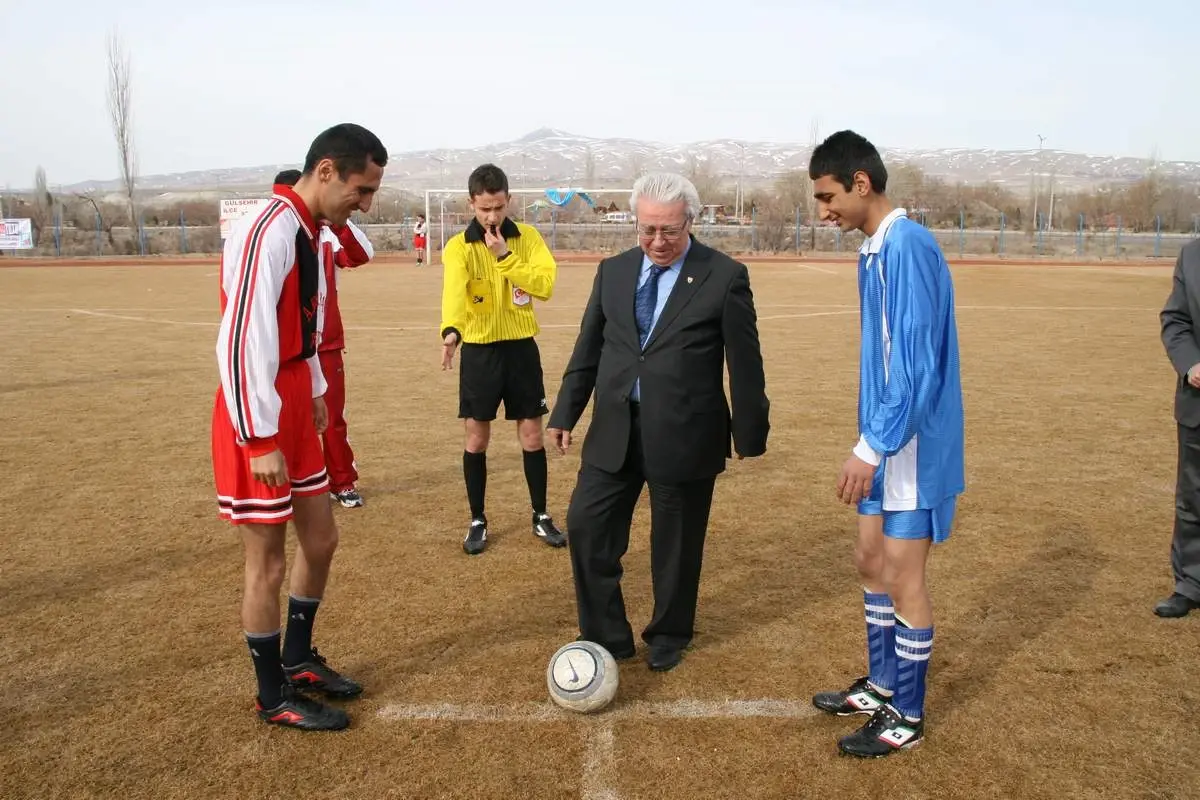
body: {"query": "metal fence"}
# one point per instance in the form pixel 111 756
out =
pixel 763 235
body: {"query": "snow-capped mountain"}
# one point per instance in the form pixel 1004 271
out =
pixel 550 157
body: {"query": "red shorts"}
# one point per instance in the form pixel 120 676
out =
pixel 419 242
pixel 241 498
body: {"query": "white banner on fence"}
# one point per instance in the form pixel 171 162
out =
pixel 17 234
pixel 234 209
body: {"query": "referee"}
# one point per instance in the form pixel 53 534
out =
pixel 494 270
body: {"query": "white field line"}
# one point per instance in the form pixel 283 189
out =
pixel 575 325
pixel 599 737
pixel 599 760
pixel 815 268
pixel 635 709
pixel 129 318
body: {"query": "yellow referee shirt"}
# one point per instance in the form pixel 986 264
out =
pixel 485 300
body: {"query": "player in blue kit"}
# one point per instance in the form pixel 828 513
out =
pixel 906 471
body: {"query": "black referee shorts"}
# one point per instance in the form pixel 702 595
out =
pixel 508 371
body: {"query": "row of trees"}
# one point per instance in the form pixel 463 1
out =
pixel 1150 204
pixel 1137 207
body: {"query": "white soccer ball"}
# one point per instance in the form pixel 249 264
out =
pixel 582 677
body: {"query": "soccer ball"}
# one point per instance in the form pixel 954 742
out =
pixel 582 677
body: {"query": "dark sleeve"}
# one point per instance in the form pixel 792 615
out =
pixel 579 378
pixel 747 382
pixel 1176 318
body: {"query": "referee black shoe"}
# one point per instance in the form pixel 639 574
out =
pixel 543 528
pixel 476 539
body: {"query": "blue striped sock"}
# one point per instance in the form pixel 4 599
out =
pixel 913 647
pixel 881 641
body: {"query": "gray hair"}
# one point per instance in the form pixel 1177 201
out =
pixel 666 187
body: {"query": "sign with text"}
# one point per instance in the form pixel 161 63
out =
pixel 17 234
pixel 234 209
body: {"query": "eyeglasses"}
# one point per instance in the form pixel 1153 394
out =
pixel 669 233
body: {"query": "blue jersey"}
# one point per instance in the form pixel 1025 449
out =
pixel 910 409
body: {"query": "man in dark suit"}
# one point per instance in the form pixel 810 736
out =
pixel 661 322
pixel 1181 338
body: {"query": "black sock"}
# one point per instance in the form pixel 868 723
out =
pixel 264 651
pixel 297 644
pixel 475 473
pixel 535 476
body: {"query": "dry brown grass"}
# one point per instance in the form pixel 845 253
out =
pixel 125 675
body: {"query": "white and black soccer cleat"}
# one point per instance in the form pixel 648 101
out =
pixel 544 529
pixel 476 539
pixel 860 698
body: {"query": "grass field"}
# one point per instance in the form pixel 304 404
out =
pixel 125 674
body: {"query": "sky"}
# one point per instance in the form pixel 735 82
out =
pixel 233 84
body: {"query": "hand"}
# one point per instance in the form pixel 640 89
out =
pixel 449 345
pixel 320 414
pixel 269 469
pixel 855 481
pixel 561 439
pixel 1193 376
pixel 495 241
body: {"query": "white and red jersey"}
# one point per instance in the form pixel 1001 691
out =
pixel 342 247
pixel 270 279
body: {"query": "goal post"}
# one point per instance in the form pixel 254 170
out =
pixel 557 198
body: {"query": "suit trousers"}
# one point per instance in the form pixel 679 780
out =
pixel 1185 544
pixel 599 519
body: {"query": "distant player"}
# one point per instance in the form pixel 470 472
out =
pixel 419 231
pixel 906 471
pixel 268 413
pixel 342 247
pixel 494 270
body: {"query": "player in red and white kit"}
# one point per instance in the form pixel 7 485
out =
pixel 267 457
pixel 419 241
pixel 342 247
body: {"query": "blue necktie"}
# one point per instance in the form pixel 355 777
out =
pixel 645 300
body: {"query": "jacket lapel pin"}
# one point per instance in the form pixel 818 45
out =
pixel 689 278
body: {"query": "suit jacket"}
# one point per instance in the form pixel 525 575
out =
pixel 1180 336
pixel 708 320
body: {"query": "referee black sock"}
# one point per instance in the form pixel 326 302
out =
pixel 535 476
pixel 264 651
pixel 475 474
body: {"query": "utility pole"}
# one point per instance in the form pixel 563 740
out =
pixel 524 205
pixel 1037 178
pixel 1050 220
pixel 739 203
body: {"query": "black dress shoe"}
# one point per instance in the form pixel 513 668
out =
pixel 662 659
pixel 618 652
pixel 1177 605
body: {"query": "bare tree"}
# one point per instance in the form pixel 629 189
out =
pixel 120 110
pixel 704 177
pixel 778 207
pixel 589 169
pixel 43 203
pixel 105 223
